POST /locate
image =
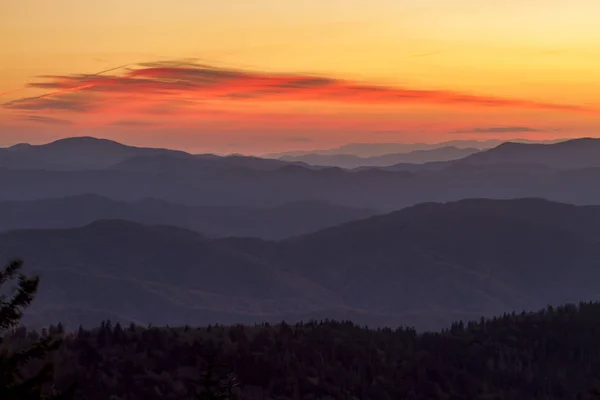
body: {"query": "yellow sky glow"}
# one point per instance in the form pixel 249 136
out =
pixel 544 51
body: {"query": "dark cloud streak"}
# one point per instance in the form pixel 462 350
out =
pixel 45 120
pixel 499 129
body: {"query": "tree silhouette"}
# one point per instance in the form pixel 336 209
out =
pixel 15 382
pixel 215 386
pixel 229 384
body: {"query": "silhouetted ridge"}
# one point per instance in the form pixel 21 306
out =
pixel 131 173
pixel 351 161
pixel 85 153
pixel 19 146
pixel 93 153
pixel 85 141
pixel 580 218
pixel 424 265
pixel 266 222
pixel 161 274
pixel 575 153
pixel 161 163
pixel 579 142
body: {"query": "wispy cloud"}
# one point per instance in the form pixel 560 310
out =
pixel 45 120
pixel 182 87
pixel 499 129
pixel 12 91
pixel 76 102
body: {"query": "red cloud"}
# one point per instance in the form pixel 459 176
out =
pixel 182 88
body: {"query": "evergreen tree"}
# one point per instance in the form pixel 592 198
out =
pixel 15 383
pixel 213 386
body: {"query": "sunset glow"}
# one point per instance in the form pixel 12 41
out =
pixel 261 76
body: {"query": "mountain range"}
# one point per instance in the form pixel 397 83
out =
pixel 268 223
pixel 74 153
pixel 424 265
pixel 380 149
pixel 170 180
pixel 168 237
pixel 88 153
pixel 566 171
pixel 414 157
pixel 570 154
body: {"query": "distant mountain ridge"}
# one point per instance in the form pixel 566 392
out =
pixel 371 188
pixel 568 172
pixel 472 256
pixel 413 157
pixel 188 163
pixel 268 223
pixel 424 265
pixel 570 154
pixel 89 153
pixel 166 233
pixel 84 152
pixel 379 149
pixel 153 273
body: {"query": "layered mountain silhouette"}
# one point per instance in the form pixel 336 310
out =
pixel 380 149
pixel 570 154
pixel 88 153
pixel 413 157
pixel 472 256
pixel 252 188
pixel 163 236
pixel 424 265
pixel 197 164
pixel 567 171
pixel 269 223
pixel 157 274
pixel 77 153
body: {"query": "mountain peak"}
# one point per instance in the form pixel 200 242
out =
pixel 85 141
pixel 569 154
pixel 83 152
pixel 584 141
pixel 19 146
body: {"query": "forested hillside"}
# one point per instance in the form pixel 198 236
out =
pixel 552 354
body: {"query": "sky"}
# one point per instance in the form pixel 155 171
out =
pixel 260 76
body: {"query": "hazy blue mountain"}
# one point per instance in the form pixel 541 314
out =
pixel 88 153
pixel 571 154
pixel 183 181
pixel 11 159
pixel 186 164
pixel 458 166
pixel 82 153
pixel 470 257
pixel 251 182
pixel 378 149
pixel 423 265
pixel 413 157
pixel 270 223
pixel 157 274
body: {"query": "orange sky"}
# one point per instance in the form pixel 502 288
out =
pixel 265 75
